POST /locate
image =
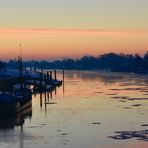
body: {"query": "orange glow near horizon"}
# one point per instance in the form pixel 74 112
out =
pixel 52 44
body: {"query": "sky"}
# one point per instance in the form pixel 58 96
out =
pixel 56 29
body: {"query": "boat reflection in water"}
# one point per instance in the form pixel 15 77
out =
pixel 14 114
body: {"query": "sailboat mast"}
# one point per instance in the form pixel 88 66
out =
pixel 20 66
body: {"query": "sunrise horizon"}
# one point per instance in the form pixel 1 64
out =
pixel 58 29
pixel 40 43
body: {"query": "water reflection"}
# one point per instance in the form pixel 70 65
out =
pixel 47 98
pixel 22 136
pixel 92 107
pixel 107 77
pixel 10 121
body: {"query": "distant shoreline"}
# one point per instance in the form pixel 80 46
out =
pixel 110 61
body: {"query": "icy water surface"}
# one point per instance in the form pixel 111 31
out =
pixel 93 110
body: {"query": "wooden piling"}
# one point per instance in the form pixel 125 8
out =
pixel 63 81
pixel 55 74
pixel 45 82
pixel 50 75
pixel 51 94
pixel 41 100
pixel 45 104
pixel 47 75
pixel 40 79
pixel 63 75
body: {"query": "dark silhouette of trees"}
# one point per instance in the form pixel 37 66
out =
pixel 86 63
pixel 2 65
pixel 12 64
pixel 138 63
pixel 145 62
pixel 110 61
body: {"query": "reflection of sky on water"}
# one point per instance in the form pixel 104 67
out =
pixel 70 119
pixel 109 77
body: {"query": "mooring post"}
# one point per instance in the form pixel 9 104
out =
pixel 55 74
pixel 45 104
pixel 40 79
pixel 63 75
pixel 63 81
pixel 48 95
pixel 41 100
pixel 45 81
pixel 45 97
pixel 47 75
pixel 50 75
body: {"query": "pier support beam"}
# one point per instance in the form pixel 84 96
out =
pixel 50 75
pixel 55 74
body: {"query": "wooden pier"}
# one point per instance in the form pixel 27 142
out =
pixel 39 79
pixel 14 91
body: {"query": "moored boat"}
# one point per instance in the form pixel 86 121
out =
pixel 10 105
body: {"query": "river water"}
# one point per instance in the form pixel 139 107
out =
pixel 87 112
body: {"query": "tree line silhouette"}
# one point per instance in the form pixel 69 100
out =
pixel 2 65
pixel 109 61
